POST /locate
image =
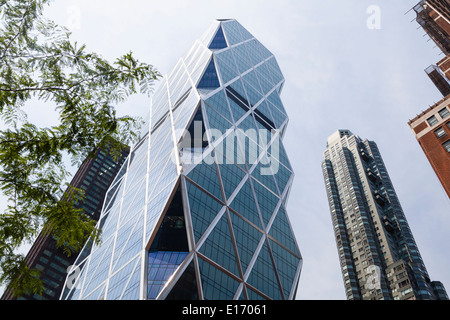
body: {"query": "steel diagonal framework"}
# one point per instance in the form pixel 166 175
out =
pixel 198 210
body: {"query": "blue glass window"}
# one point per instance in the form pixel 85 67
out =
pixel 282 175
pixel 219 41
pixel 219 246
pixel 286 264
pixel 232 30
pixel 203 209
pixel 237 107
pixel 263 275
pixel 253 95
pixel 244 204
pixel 231 177
pixel 281 231
pixel 217 122
pixel 216 284
pixel 261 174
pixel 247 239
pixel 267 201
pixel 205 175
pixel 219 103
pixel 263 111
pixel 161 266
pixel 242 58
pixel 210 79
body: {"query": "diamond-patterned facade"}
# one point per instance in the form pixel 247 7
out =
pixel 198 210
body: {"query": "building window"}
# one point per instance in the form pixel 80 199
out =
pixel 432 121
pixel 444 113
pixel 447 146
pixel 440 132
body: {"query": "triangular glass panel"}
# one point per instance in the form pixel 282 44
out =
pixel 161 266
pixel 125 250
pixel 219 41
pixel 132 291
pixel 213 282
pixel 227 57
pixel 263 111
pixel 219 246
pixel 263 174
pixel 278 116
pixel 244 32
pixel 227 66
pixel 169 246
pixel 263 276
pixel 251 78
pixel 267 201
pixel 209 80
pixel 248 139
pixel 254 51
pixel 248 126
pixel 237 89
pixel 266 129
pixel 282 232
pixel 286 264
pixel 242 58
pixel 218 125
pixel 171 235
pixel 266 84
pixel 279 152
pixel 232 31
pixel 253 95
pixel 281 174
pixel 203 209
pixel 274 69
pixel 99 271
pixel 237 107
pixel 193 137
pixel 186 286
pixel 117 282
pixel 219 103
pixel 206 176
pixel 247 239
pixel 229 150
pixel 231 177
pixel 155 208
pixel 244 204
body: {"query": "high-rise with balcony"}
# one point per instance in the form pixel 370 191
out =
pixel 378 255
pixel 200 212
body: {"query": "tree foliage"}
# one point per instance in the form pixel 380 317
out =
pixel 38 61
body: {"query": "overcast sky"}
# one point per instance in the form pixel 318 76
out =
pixel 340 74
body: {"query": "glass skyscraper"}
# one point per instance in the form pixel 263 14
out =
pixel 378 255
pixel 198 210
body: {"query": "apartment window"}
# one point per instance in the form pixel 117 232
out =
pixel 444 113
pixel 447 146
pixel 440 132
pixel 432 121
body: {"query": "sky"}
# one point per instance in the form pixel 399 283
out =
pixel 348 64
